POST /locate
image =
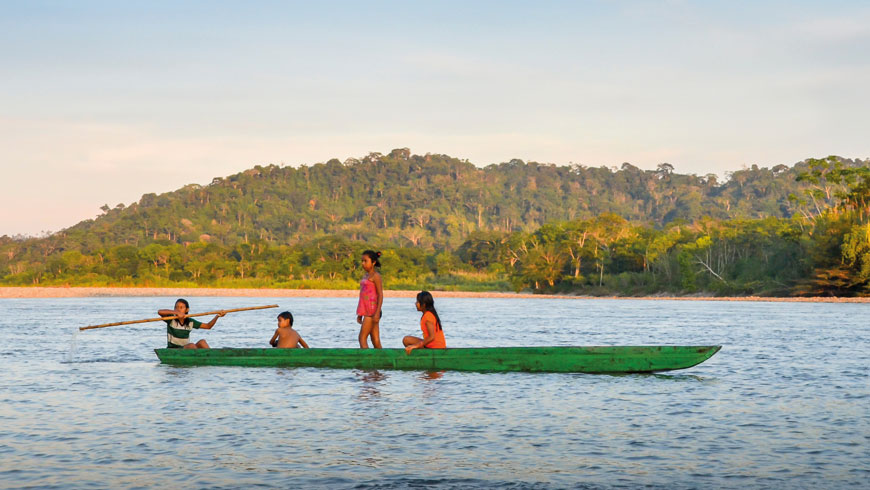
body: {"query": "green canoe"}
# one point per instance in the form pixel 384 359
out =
pixel 613 359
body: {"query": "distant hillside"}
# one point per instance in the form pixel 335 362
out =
pixel 429 201
pixel 443 223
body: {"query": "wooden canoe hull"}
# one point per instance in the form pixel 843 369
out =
pixel 597 359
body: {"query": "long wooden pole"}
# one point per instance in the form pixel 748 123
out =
pixel 176 317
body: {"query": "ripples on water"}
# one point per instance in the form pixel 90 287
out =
pixel 784 404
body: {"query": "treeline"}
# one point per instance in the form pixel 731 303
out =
pixel 429 201
pixel 822 249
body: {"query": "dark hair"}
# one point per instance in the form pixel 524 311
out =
pixel 184 302
pixel 374 256
pixel 428 303
pixel 287 315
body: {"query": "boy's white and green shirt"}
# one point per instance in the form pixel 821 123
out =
pixel 178 335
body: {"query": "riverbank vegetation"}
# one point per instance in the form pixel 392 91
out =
pixel 445 224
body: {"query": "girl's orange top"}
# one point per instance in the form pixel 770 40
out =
pixel 438 342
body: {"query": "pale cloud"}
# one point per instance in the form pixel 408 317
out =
pixel 451 65
pixel 835 30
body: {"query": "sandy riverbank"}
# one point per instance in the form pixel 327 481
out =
pixel 84 292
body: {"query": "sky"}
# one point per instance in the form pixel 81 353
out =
pixel 101 102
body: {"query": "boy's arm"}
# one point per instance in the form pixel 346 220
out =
pixel 274 340
pixel 170 313
pixel 213 320
pixel 303 343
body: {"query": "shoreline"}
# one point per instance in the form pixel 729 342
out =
pixel 109 292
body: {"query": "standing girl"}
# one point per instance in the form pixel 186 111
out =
pixel 430 324
pixel 371 298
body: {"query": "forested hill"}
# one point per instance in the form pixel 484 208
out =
pixel 428 201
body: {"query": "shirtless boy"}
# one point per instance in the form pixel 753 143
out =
pixel 285 337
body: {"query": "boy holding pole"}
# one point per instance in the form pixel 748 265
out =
pixel 178 329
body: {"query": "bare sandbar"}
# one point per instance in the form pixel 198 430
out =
pixel 85 292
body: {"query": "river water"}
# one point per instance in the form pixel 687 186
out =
pixel 784 404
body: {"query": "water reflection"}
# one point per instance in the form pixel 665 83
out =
pixel 429 375
pixel 431 390
pixel 176 375
pixel 370 380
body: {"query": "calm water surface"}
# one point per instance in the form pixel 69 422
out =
pixel 785 404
